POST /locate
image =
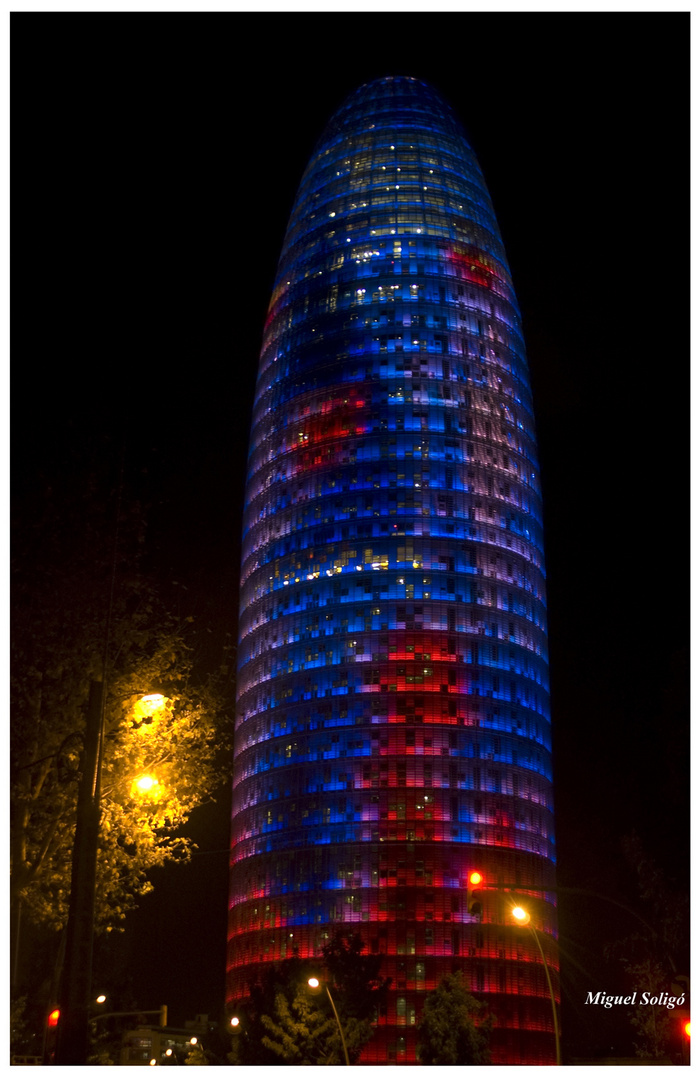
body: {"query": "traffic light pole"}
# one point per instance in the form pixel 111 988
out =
pixel 161 1013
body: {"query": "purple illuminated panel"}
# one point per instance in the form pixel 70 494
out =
pixel 393 728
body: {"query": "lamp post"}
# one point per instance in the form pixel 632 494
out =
pixel 314 984
pixel 523 918
pixel 71 1043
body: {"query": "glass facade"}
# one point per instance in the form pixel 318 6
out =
pixel 393 728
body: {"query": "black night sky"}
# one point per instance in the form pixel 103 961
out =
pixel 154 161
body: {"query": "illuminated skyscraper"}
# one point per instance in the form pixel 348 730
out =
pixel 393 729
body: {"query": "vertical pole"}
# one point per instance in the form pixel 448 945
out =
pixel 553 999
pixel 71 1048
pixel 337 1018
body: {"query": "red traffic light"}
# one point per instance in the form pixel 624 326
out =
pixel 54 1017
pixel 473 905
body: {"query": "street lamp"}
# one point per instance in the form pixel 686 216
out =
pixel 314 985
pixel 196 1044
pixel 523 918
pixel 71 1048
pixel 146 785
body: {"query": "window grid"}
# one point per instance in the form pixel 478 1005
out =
pixel 393 723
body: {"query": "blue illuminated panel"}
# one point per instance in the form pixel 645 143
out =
pixel 393 728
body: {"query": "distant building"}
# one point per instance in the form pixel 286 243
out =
pixel 393 730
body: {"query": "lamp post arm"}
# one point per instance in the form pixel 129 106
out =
pixel 571 890
pixel 624 907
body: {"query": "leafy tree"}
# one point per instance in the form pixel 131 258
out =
pixel 653 1024
pixel 20 1034
pixel 357 987
pixel 667 910
pixel 650 954
pixel 454 1028
pixel 81 609
pixel 284 979
pixel 300 1032
pixel 284 1022
pixel 176 748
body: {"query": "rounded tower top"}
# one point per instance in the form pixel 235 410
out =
pixel 402 98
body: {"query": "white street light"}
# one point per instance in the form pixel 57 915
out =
pixel 523 918
pixel 314 983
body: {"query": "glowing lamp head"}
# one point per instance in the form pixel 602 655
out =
pixel 475 878
pixel 152 701
pixel 101 999
pixel 687 1028
pixel 145 709
pixel 193 1041
pixel 314 983
pixel 54 1017
pixel 146 784
pixel 520 915
pixel 234 1021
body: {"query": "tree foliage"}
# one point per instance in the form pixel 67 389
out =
pixel 300 1032
pixel 20 1033
pixel 454 1028
pixel 357 986
pixel 667 910
pixel 81 610
pixel 653 951
pixel 284 1022
pixel 654 1025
